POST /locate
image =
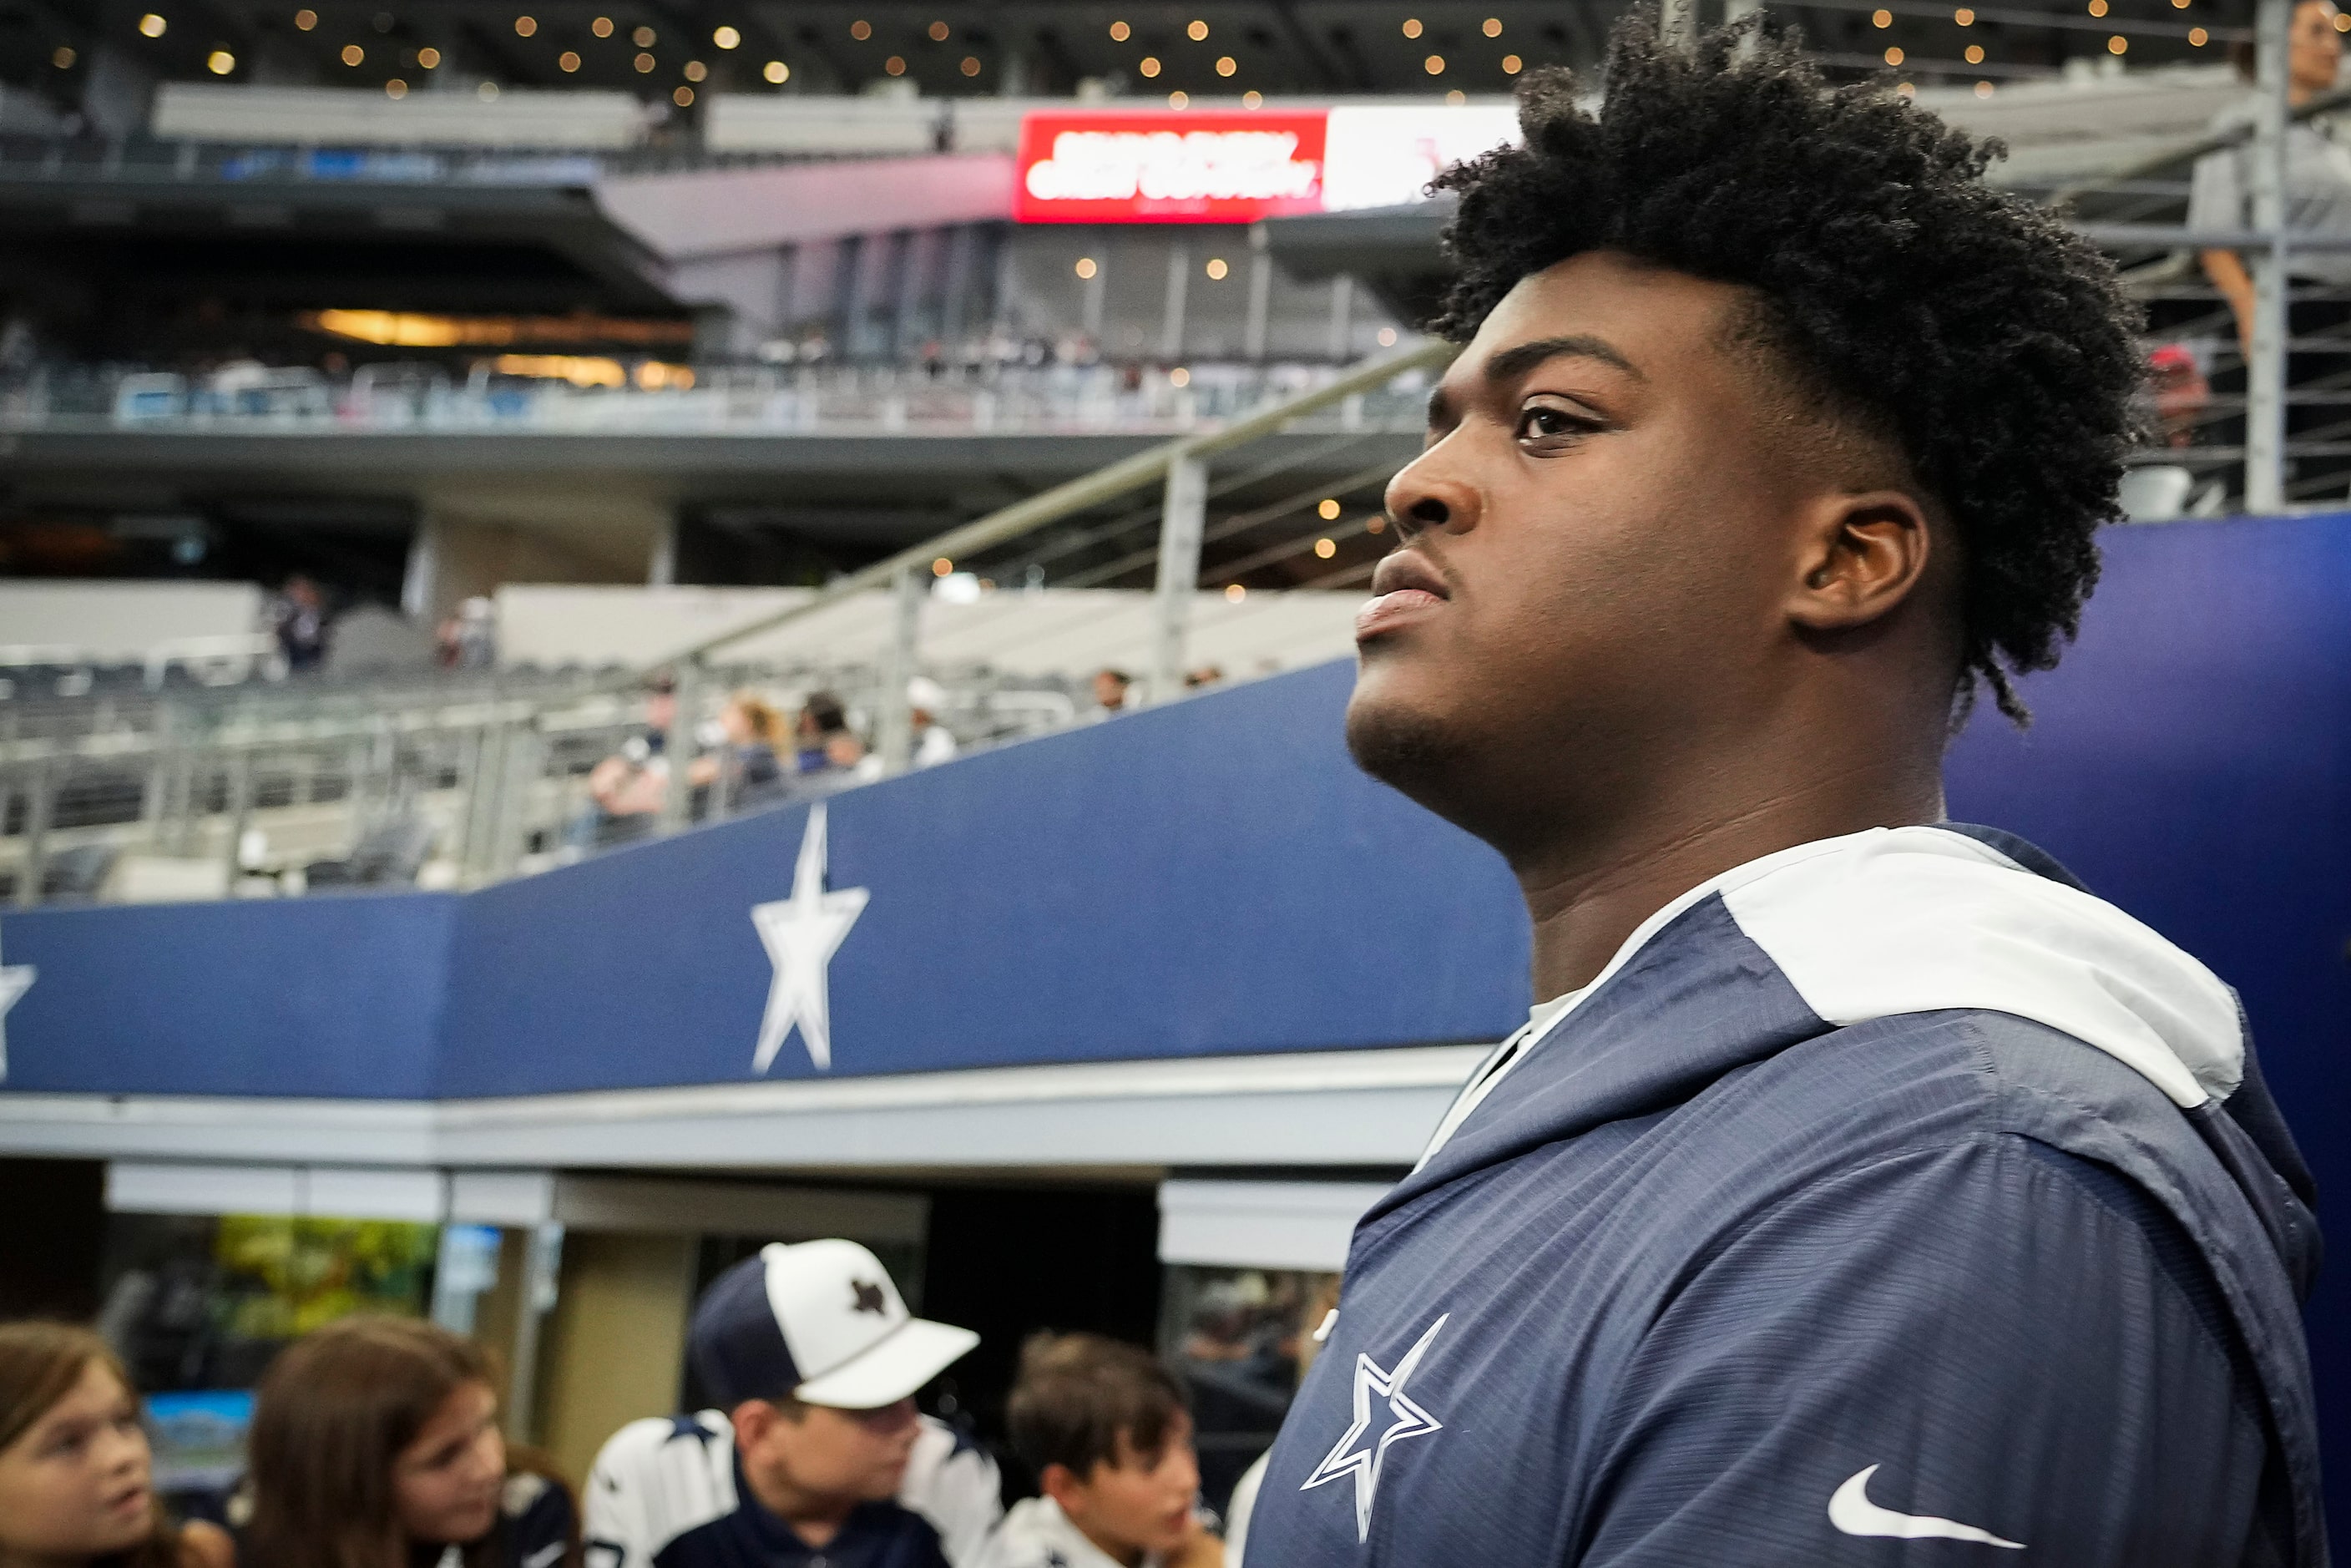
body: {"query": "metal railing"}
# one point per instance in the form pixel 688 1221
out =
pixel 745 401
pixel 449 782
pixel 454 781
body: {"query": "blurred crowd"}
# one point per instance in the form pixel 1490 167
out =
pixel 375 1442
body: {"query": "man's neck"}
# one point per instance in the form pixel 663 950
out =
pixel 815 1517
pixel 1586 898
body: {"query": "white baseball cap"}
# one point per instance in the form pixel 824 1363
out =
pixel 823 1322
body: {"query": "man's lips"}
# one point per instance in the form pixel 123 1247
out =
pixel 1405 585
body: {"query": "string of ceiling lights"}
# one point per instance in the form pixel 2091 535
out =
pixel 1977 39
pixel 399 64
pixel 1976 33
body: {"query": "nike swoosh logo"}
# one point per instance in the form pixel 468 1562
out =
pixel 1851 1511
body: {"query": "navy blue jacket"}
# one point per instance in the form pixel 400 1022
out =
pixel 1889 1201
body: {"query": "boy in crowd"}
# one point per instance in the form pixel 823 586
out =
pixel 1102 1426
pixel 815 1454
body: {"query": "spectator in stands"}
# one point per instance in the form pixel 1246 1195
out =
pixel 826 743
pixel 469 639
pixel 815 1452
pixel 2317 202
pixel 375 1444
pixel 625 791
pixel 298 620
pixel 75 1484
pixel 1206 675
pixel 2317 179
pixel 1102 1426
pixel 2183 394
pixel 933 742
pixel 1110 690
pixel 746 766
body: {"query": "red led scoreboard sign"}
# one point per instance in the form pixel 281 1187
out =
pixel 1169 166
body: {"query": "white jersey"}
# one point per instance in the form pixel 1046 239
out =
pixel 1038 1535
pixel 668 1480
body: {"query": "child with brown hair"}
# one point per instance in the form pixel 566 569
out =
pixel 375 1444
pixel 1104 1427
pixel 76 1486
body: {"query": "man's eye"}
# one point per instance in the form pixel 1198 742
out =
pixel 1541 422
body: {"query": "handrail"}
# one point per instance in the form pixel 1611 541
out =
pixel 2194 147
pixel 1008 523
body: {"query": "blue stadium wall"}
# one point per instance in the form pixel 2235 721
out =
pixel 1213 878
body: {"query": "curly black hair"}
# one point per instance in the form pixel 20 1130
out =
pixel 1908 298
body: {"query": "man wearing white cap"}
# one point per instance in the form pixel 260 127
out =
pixel 815 1457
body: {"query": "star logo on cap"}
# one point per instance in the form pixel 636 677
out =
pixel 869 1298
pixel 1405 1419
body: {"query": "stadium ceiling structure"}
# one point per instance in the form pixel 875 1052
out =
pixel 678 52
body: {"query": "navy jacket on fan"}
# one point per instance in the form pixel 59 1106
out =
pixel 1889 1200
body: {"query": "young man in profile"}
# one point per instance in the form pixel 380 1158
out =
pixel 1862 1189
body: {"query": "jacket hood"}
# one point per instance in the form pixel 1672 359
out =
pixel 1910 920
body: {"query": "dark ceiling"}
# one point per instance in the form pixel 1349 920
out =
pixel 950 48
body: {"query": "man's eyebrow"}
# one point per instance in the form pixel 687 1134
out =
pixel 1517 361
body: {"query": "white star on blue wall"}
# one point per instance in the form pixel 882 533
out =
pixel 14 981
pixel 801 933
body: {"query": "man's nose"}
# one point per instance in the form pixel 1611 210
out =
pixel 1426 495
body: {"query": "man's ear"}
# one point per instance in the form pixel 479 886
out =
pixel 1858 557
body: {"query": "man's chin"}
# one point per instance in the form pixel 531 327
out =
pixel 1403 745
